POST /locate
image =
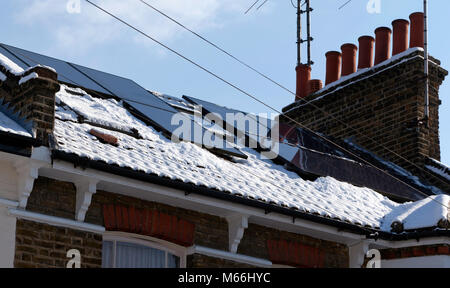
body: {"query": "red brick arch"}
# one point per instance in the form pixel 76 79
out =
pixel 149 222
pixel 295 254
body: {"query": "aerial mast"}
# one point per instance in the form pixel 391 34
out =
pixel 427 80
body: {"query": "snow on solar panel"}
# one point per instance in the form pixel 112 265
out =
pixel 155 109
pixel 152 107
pixel 254 126
pixel 66 73
pixel 13 58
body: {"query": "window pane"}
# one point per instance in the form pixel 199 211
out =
pixel 173 261
pixel 107 254
pixel 137 256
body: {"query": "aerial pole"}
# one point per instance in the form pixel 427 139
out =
pixel 427 80
pixel 299 32
pixel 308 29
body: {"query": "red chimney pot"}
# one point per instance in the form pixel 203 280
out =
pixel 348 59
pixel 366 44
pixel 303 77
pixel 382 44
pixel 400 28
pixel 417 30
pixel 314 86
pixel 333 66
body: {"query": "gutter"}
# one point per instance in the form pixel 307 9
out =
pixel 17 144
pixel 204 191
pixel 370 233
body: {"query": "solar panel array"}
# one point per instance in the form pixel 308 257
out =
pixel 255 127
pixel 158 112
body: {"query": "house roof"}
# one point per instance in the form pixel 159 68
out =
pixel 144 149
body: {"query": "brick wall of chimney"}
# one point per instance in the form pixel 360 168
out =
pixel 34 100
pixel 386 105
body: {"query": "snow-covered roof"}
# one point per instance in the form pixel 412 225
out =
pixel 254 178
pixel 10 126
pixel 142 149
pixel 10 65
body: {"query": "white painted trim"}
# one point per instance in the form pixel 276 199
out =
pixel 7 238
pixel 357 254
pixel 437 261
pixel 408 243
pixel 8 203
pixel 56 221
pixel 27 172
pixel 229 256
pixel 237 224
pixel 85 189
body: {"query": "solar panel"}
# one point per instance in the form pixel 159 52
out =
pixel 157 111
pixel 253 126
pixel 153 108
pixel 66 73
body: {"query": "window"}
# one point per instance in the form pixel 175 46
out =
pixel 122 252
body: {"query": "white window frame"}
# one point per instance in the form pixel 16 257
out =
pixel 146 241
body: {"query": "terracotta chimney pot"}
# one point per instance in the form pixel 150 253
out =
pixel 382 44
pixel 348 59
pixel 333 66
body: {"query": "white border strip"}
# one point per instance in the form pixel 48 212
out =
pixel 56 221
pixel 229 256
pixel 8 203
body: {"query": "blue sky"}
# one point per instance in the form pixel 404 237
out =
pixel 264 38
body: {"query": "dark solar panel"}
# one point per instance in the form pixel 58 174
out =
pixel 152 107
pixel 66 73
pixel 157 111
pixel 254 126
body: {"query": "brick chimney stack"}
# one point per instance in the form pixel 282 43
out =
pixel 382 108
pixel 34 99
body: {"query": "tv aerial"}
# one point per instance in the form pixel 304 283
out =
pixel 300 12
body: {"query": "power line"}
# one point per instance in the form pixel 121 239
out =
pixel 263 179
pixel 327 114
pixel 251 96
pixel 262 4
pixel 253 5
pixel 345 4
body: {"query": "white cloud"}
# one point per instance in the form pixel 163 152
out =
pixel 92 27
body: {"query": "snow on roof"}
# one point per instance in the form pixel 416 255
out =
pixel 254 178
pixel 415 215
pixel 439 168
pixel 10 65
pixel 10 126
pixel 174 101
